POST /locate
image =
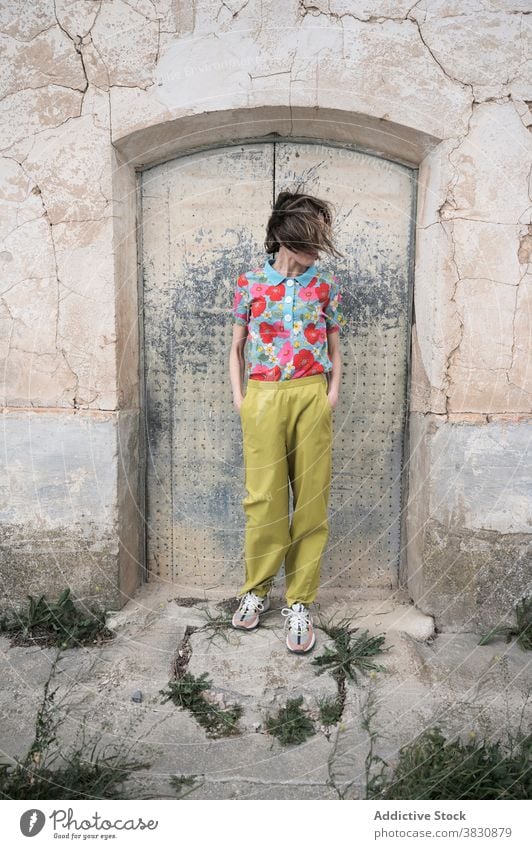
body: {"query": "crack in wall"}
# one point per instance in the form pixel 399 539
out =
pixel 448 207
pixel 232 13
pixel 454 351
pixel 512 351
pixel 75 388
pixel 309 8
pixel 316 11
pixel 414 15
pixel 77 42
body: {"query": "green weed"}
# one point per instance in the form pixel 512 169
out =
pixel 46 773
pixel 432 767
pixel 350 654
pixel 180 782
pixel 55 623
pixel 291 725
pixel 523 629
pixel 335 629
pixel 331 710
pixel 218 625
pixel 187 692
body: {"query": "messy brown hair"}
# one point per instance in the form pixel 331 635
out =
pixel 299 222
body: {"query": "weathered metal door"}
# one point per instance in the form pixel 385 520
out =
pixel 203 223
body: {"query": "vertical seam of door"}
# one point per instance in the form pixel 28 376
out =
pixel 170 402
pixel 143 418
pixel 273 174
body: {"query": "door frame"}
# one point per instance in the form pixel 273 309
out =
pixel 274 138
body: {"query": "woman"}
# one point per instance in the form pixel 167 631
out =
pixel 289 314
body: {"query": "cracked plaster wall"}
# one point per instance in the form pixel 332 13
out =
pixel 91 89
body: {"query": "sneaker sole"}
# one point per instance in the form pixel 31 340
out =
pixel 250 627
pixel 302 651
pixel 246 627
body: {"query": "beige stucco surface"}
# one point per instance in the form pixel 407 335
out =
pixel 91 91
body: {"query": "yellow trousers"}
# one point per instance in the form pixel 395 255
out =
pixel 287 431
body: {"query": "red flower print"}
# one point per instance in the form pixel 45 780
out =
pixel 311 333
pixel 315 334
pixel 305 364
pixel 287 342
pixel 316 368
pixel 258 306
pixel 322 291
pixel 268 332
pixel 280 329
pixel 303 359
pixel 265 373
pixel 276 293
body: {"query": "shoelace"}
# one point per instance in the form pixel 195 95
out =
pixel 252 602
pixel 297 619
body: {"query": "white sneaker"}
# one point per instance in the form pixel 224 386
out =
pixel 249 610
pixel 300 636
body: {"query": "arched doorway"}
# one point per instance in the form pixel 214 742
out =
pixel 203 220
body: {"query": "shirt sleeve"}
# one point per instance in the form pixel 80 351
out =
pixel 334 317
pixel 241 301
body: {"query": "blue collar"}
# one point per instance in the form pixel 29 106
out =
pixel 275 277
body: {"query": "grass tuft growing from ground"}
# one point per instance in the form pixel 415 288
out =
pixel 45 772
pixel 522 630
pixel 350 654
pixel 331 709
pixel 188 693
pixel 336 629
pixel 432 767
pixel 59 623
pixel 347 655
pixel 180 782
pixel 218 624
pixel 291 725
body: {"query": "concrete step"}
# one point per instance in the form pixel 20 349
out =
pixel 445 679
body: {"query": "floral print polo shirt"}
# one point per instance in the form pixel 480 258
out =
pixel 288 319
